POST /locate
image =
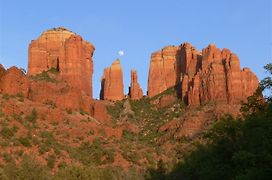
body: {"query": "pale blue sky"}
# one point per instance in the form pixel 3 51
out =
pixel 140 28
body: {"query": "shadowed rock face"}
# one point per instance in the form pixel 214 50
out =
pixel 2 70
pixel 135 90
pixel 213 75
pixel 65 51
pixel 112 87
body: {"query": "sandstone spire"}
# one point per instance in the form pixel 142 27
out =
pixel 135 90
pixel 65 51
pixel 112 87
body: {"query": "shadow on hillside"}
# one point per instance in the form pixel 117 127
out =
pixel 236 149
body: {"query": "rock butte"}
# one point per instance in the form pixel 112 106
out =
pixel 200 77
pixel 112 87
pixel 65 51
pixel 135 90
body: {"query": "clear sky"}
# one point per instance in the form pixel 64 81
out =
pixel 139 28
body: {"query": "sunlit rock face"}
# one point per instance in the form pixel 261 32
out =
pixel 112 86
pixel 200 77
pixel 164 70
pixel 135 90
pixel 13 81
pixel 65 51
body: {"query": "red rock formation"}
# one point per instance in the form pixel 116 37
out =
pixel 60 93
pixel 190 61
pixel 135 90
pixel 99 111
pixel 212 75
pixel 14 81
pixel 65 51
pixel 221 79
pixel 112 87
pixel 164 71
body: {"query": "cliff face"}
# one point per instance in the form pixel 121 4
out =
pixel 135 90
pixel 164 70
pixel 213 75
pixel 112 87
pixel 65 51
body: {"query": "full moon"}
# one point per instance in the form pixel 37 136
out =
pixel 121 53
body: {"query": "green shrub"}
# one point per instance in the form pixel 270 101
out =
pixel 93 154
pixel 116 109
pixel 53 70
pixel 6 96
pixel 17 117
pixel 7 132
pixel 32 117
pixel 20 97
pixel 50 103
pixel 127 135
pixel 1 114
pixel 132 156
pixel 30 169
pixel 69 111
pixel 44 76
pixel 48 142
pixel 25 141
pixel 51 160
pixel 82 112
pixel 78 173
pixel 8 158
